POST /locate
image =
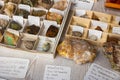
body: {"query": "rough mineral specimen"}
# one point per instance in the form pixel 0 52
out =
pixel 46 46
pixel 52 31
pixel 32 29
pixel 14 25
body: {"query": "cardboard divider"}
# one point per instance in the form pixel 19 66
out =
pixel 80 22
pixel 115 20
pixel 115 38
pixel 101 17
pixel 114 29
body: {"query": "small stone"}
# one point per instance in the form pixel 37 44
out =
pixel 39 13
pixel 93 37
pixel 98 28
pixel 77 33
pixel 14 25
pixel 33 29
pixel 28 44
pixel 3 23
pixel 46 46
pixel 23 13
pixel 47 1
pixel 52 31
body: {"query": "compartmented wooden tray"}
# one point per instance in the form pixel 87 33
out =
pixel 92 26
pixel 35 27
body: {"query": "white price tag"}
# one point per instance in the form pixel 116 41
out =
pixel 47 23
pixel 117 18
pixel 2 3
pixel 82 4
pixel 80 12
pixel 4 17
pixel 13 67
pixel 103 25
pixel 95 32
pixel 19 19
pixel 57 73
pixel 97 72
pixel 34 20
pixel 78 28
pixel 116 30
pixel 24 7
pixel 57 11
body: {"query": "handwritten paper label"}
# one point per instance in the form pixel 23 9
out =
pixel 57 11
pixel 80 12
pixel 37 9
pixel 4 17
pixel 78 28
pixel 96 33
pixel 13 67
pixel 57 73
pixel 97 72
pixel 2 3
pixel 82 4
pixel 18 19
pixel 116 30
pixel 24 7
pixel 34 20
pixel 100 24
pixel 117 18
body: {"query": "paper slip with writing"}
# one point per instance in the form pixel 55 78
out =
pixel 57 73
pixel 84 4
pixel 116 30
pixel 97 72
pixel 13 67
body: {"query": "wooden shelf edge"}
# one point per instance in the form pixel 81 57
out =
pixel 112 5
